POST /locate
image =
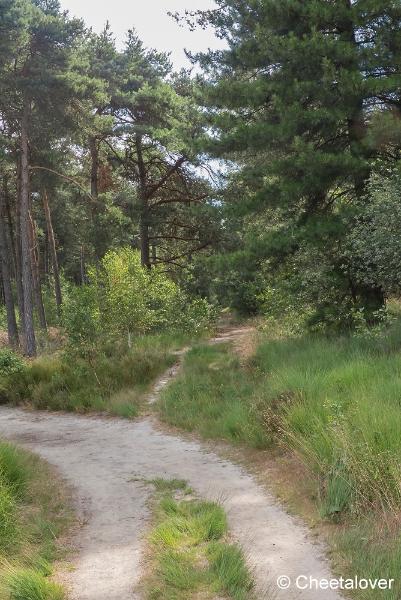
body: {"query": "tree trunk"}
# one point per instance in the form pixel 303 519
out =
pixel 12 327
pixel 83 266
pixel 37 287
pixel 53 252
pixel 11 236
pixel 18 260
pixel 26 270
pixel 144 212
pixel 144 235
pixel 94 152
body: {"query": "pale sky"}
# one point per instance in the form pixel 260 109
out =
pixel 150 19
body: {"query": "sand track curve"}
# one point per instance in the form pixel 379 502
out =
pixel 109 460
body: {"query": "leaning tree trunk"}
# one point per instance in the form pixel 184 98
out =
pixel 53 252
pixel 26 266
pixel 12 327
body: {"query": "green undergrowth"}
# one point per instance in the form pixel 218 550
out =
pixel 33 514
pixel 189 554
pixel 212 396
pixel 113 379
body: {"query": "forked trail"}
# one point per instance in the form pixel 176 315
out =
pixel 109 460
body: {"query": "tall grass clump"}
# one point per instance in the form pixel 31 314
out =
pixel 26 584
pixel 32 514
pixel 336 402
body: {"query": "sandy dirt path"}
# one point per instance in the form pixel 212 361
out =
pixel 108 462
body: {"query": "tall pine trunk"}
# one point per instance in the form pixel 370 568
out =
pixel 53 252
pixel 36 282
pixel 12 327
pixel 10 226
pixel 18 253
pixel 26 266
pixel 144 208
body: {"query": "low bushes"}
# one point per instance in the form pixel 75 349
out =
pixel 113 379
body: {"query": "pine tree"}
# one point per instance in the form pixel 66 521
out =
pixel 41 71
pixel 293 99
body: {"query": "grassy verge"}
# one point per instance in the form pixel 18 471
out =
pixel 190 554
pixel 33 515
pixel 212 396
pixel 114 380
pixel 332 402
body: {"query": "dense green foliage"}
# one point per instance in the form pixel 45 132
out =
pixel 302 107
pixel 116 230
pixel 305 102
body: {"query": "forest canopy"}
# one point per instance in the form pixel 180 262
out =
pixel 106 151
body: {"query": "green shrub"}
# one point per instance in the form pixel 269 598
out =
pixel 10 362
pixel 81 319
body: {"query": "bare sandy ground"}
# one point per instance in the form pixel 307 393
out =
pixel 109 461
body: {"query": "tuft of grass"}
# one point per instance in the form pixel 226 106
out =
pixel 13 469
pixel 8 517
pixel 197 521
pixel 179 571
pixel 26 584
pixel 228 564
pixel 187 548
